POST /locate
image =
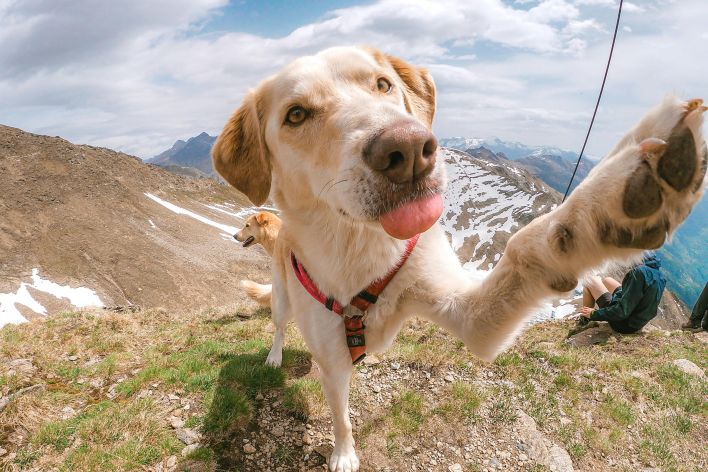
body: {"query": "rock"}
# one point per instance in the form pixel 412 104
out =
pixel 455 468
pixel 172 462
pixel 67 412
pixel 591 336
pixel 395 365
pixel 306 438
pixel 259 397
pixel 371 359
pixel 376 388
pixel 21 366
pixel 172 397
pixel 73 358
pixel 96 383
pixel 559 460
pixel 187 450
pixel 523 457
pixel 540 449
pixel 688 367
pixel 277 431
pixel 2 451
pixel 702 336
pixel 187 436
pixel 449 378
pixel 176 422
pixel 249 448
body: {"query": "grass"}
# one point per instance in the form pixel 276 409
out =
pixel 588 400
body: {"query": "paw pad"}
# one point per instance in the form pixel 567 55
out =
pixel 642 194
pixel 678 164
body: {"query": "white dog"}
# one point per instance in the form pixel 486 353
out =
pixel 341 142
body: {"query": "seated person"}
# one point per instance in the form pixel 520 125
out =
pixel 699 315
pixel 629 306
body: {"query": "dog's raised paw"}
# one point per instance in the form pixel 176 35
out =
pixel 666 179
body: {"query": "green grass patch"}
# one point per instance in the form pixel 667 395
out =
pixel 682 390
pixel 462 402
pixel 619 410
pixel 407 413
pixel 302 395
pixel 240 379
pixel 502 412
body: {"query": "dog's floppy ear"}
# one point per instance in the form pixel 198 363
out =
pixel 262 218
pixel 240 155
pixel 419 88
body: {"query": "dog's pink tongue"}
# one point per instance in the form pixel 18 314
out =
pixel 413 217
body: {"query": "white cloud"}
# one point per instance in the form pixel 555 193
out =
pixel 138 76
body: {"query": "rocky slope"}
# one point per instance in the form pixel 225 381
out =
pixel 486 202
pixel 84 225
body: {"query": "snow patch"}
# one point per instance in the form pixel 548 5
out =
pixel 191 214
pixel 79 297
pixel 498 204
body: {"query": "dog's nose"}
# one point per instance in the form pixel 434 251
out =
pixel 403 152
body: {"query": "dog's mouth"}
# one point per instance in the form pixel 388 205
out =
pixel 249 240
pixel 409 209
pixel 413 217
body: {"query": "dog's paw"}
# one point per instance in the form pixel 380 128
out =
pixel 646 189
pixel 343 460
pixel 275 357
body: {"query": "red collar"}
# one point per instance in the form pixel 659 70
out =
pixel 354 323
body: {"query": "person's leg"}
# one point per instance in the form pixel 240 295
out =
pixel 588 299
pixel 611 284
pixel 595 286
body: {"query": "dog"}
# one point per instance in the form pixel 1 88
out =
pixel 341 141
pixel 261 228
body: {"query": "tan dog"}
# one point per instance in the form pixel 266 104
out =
pixel 341 142
pixel 261 228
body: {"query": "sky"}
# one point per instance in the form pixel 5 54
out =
pixel 136 75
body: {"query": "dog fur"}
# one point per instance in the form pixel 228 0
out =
pixel 330 203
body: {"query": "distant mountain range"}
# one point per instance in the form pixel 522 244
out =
pixel 184 156
pixel 512 150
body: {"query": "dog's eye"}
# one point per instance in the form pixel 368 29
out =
pixel 296 115
pixel 383 85
pixel 247 225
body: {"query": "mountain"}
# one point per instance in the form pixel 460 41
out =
pixel 555 170
pixel 682 255
pixel 552 165
pixel 512 150
pixel 486 202
pixel 81 225
pixel 194 153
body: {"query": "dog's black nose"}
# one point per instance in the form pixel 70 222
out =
pixel 402 152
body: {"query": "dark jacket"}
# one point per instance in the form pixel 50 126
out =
pixel 634 304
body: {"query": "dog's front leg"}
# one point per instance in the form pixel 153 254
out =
pixel 324 335
pixel 628 203
pixel 335 383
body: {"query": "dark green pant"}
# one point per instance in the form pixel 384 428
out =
pixel 699 316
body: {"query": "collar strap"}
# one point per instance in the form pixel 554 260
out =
pixel 353 323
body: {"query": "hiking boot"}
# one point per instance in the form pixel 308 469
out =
pixel 691 326
pixel 581 325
